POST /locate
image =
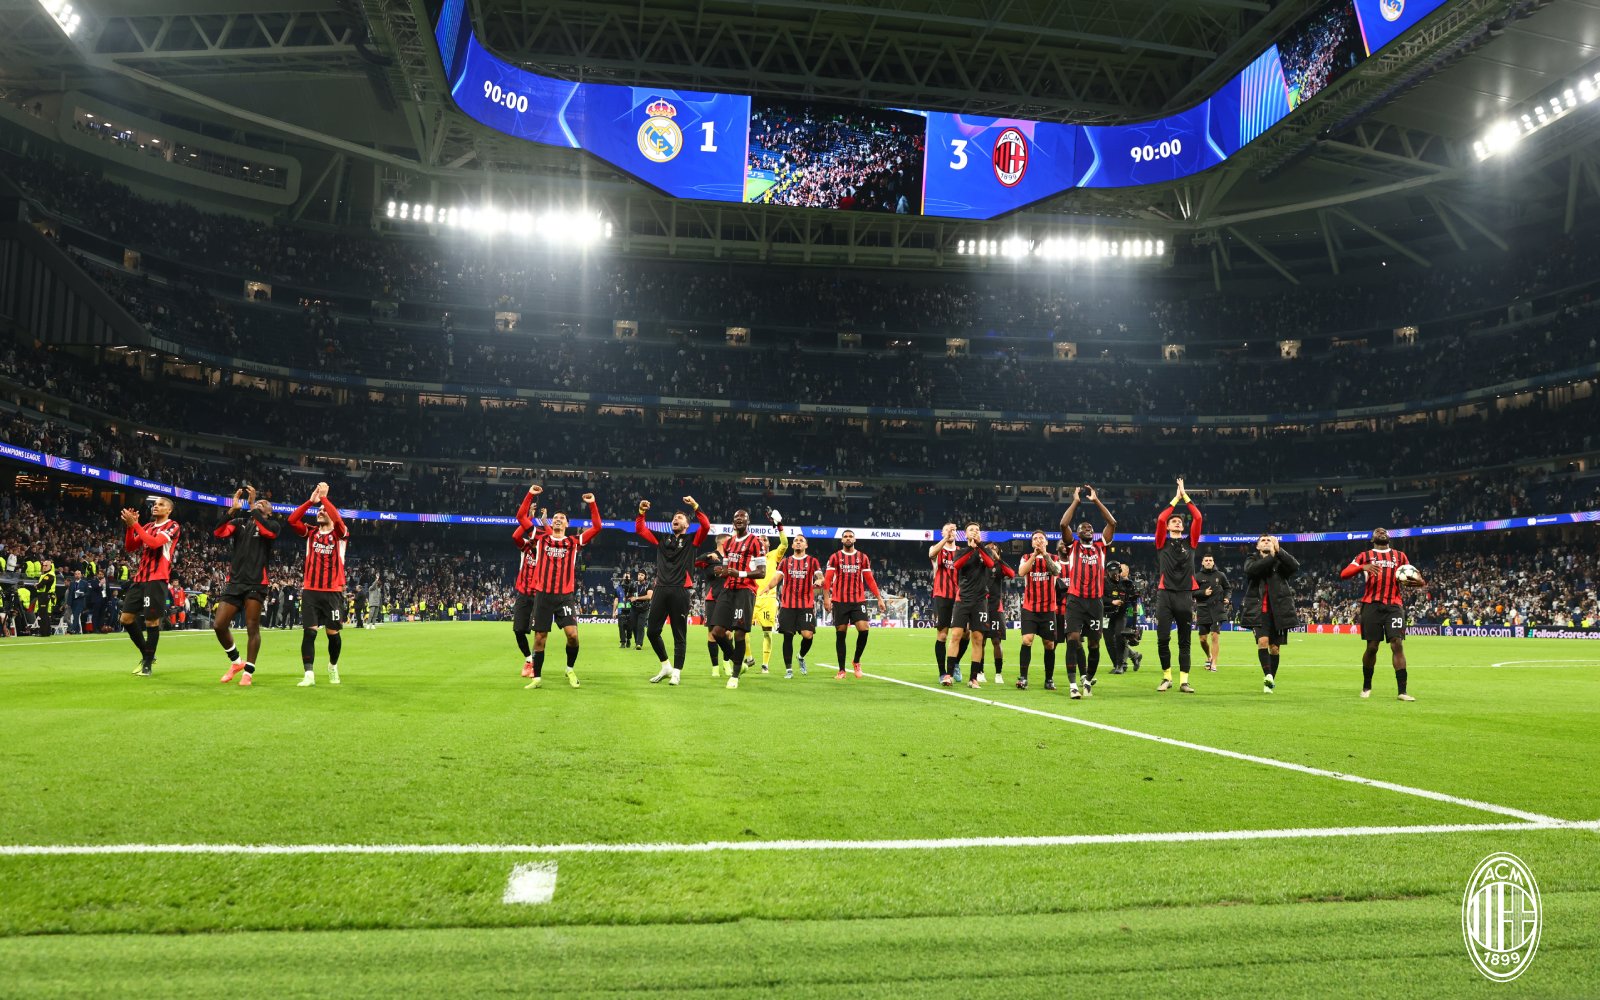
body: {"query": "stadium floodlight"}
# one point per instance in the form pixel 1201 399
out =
pixel 65 16
pixel 1544 111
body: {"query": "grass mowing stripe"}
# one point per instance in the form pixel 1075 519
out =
pixel 1390 786
pixel 922 844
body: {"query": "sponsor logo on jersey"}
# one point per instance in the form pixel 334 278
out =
pixel 660 138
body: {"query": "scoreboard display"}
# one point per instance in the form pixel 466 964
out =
pixel 734 148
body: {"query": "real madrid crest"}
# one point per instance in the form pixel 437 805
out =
pixel 660 138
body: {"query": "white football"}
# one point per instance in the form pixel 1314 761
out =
pixel 1408 574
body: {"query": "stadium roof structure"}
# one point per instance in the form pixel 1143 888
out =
pixel 1380 164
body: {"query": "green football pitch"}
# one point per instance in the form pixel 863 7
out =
pixel 805 837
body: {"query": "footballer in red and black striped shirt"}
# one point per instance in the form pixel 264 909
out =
pixel 1383 613
pixel 322 602
pixel 157 545
pixel 1086 588
pixel 526 537
pixel 946 590
pixel 845 587
pixel 798 574
pixel 744 563
pixel 556 577
pixel 1039 571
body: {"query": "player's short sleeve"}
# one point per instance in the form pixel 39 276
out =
pixel 1361 559
pixel 866 563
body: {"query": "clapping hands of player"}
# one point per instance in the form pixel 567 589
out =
pixel 130 517
pixel 1090 494
pixel 238 499
pixel 250 493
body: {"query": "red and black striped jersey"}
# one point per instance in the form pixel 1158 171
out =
pixel 1039 587
pixel 157 545
pixel 944 573
pixel 324 549
pixel 798 574
pixel 1383 587
pixel 556 569
pixel 740 556
pixel 849 577
pixel 1086 569
pixel 528 562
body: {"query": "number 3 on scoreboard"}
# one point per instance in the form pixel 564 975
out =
pixel 958 152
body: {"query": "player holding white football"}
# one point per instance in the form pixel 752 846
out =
pixel 1383 614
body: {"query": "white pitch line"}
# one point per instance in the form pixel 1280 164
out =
pixel 1531 817
pixel 1518 663
pixel 64 641
pixel 748 846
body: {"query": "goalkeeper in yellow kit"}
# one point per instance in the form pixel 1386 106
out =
pixel 766 614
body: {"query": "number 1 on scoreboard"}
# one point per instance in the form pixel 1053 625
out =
pixel 710 129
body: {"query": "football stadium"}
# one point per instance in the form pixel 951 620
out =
pixel 799 499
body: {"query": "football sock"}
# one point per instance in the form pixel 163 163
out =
pixel 1274 663
pixel 1094 661
pixel 838 648
pixel 522 644
pixel 805 645
pixel 572 655
pixel 1074 657
pixel 249 667
pixel 999 659
pixel 136 636
pixel 229 650
pixel 538 663
pixel 766 647
pixel 961 650
pixel 939 646
pixel 711 646
pixel 788 650
pixel 308 647
pixel 1265 658
pixel 861 645
pixel 1400 680
pixel 152 636
pixel 1367 670
pixel 738 653
pixel 335 643
pixel 1049 664
pixel 951 665
pixel 1183 676
pixel 1024 658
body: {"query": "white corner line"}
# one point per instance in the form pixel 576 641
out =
pixel 1423 793
pixel 758 846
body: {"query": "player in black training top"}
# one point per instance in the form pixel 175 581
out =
pixel 1176 586
pixel 1210 608
pixel 253 529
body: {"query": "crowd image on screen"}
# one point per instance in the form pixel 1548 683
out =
pixel 834 158
pixel 1321 50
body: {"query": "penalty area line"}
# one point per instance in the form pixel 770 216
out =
pixel 755 846
pixel 1423 793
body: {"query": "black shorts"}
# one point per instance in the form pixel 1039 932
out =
pixel 146 600
pixel 849 614
pixel 1207 624
pixel 944 610
pixel 1174 605
pixel 997 623
pixel 794 620
pixel 1273 638
pixel 322 608
pixel 522 613
pixel 1383 622
pixel 1084 615
pixel 237 593
pixel 970 617
pixel 734 610
pixel 559 609
pixel 1041 623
